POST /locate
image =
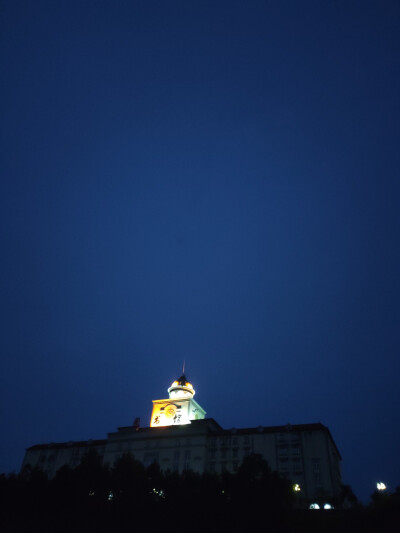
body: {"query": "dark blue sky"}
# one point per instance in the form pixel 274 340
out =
pixel 209 181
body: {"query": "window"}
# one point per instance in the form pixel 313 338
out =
pixel 297 467
pixel 282 450
pixel 283 466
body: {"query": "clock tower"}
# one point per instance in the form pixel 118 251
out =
pixel 180 408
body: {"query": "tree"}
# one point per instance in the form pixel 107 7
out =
pixel 258 486
pixel 128 479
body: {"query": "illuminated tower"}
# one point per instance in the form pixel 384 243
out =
pixel 179 409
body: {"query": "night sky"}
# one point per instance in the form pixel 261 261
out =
pixel 209 181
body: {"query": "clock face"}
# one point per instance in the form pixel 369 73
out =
pixel 170 411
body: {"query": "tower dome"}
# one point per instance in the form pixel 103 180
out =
pixel 181 388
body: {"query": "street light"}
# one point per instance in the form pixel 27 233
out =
pixel 380 486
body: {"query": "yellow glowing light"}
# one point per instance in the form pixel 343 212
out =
pixel 380 486
pixel 177 384
pixel 296 487
pixel 170 411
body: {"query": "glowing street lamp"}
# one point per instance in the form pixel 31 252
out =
pixel 380 486
pixel 296 487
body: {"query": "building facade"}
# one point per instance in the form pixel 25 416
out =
pixel 181 438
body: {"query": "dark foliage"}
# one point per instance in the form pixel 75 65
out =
pixel 95 498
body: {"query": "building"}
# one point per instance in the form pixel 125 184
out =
pixel 181 438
